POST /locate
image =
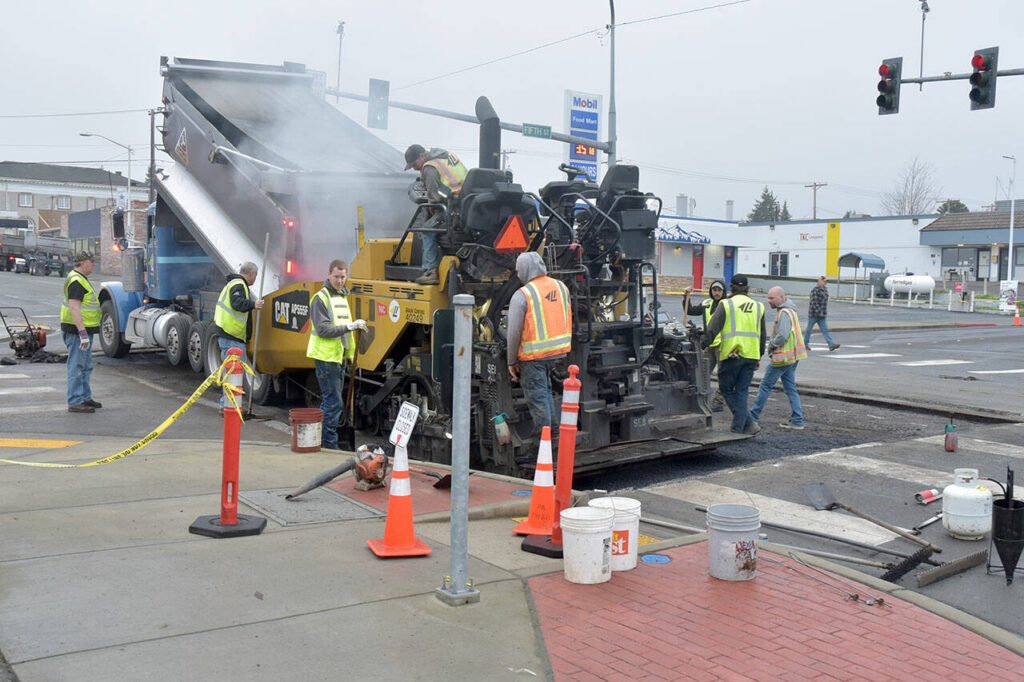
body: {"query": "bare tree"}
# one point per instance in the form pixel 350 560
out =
pixel 915 191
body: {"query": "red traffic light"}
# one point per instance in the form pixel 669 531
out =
pixel 978 62
pixel 883 70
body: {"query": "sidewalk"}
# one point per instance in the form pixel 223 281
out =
pixel 100 580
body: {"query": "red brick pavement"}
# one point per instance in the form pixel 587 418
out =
pixel 675 622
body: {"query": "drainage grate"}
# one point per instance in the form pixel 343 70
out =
pixel 321 505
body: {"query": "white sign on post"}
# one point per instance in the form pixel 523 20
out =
pixel 408 413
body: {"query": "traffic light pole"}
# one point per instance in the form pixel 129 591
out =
pixel 467 118
pixel 960 76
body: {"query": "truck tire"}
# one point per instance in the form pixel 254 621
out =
pixel 194 345
pixel 177 340
pixel 111 339
pixel 264 389
pixel 211 349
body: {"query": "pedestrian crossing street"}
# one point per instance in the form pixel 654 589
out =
pixel 865 353
pixel 854 463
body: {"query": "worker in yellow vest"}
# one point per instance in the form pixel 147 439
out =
pixel 705 309
pixel 539 333
pixel 79 320
pixel 331 345
pixel 443 174
pixel 232 316
pixel 740 320
pixel 786 348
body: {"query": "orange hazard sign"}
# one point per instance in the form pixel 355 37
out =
pixel 512 238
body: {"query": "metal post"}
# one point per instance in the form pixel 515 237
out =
pixel 1013 207
pixel 457 589
pixel 931 299
pixel 872 294
pixel 152 153
pixel 972 301
pixel 341 34
pixel 611 94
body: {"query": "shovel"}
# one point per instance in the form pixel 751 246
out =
pixel 443 481
pixel 822 498
pixel 347 429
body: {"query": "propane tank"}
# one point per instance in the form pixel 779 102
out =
pixel 966 506
pixel 951 436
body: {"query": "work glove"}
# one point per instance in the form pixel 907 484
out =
pixel 83 340
pixel 357 325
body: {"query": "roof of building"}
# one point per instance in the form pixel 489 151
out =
pixel 856 259
pixel 978 220
pixel 48 172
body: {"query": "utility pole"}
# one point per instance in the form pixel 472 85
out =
pixel 814 186
pixel 504 157
pixel 1013 207
pixel 341 34
pixel 612 151
pixel 924 13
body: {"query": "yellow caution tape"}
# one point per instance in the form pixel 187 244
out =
pixel 219 377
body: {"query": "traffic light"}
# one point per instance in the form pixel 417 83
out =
pixel 377 109
pixel 983 80
pixel 889 87
pixel 117 224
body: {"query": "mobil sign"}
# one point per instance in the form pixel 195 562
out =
pixel 583 118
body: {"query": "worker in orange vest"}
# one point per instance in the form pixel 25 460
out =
pixel 539 332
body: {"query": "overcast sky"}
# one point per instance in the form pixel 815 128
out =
pixel 715 103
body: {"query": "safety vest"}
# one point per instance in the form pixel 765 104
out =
pixel 793 350
pixel 742 328
pixel 453 172
pixel 232 321
pixel 707 318
pixel 332 350
pixel 91 314
pixel 547 326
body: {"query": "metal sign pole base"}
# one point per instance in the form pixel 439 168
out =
pixel 470 595
pixel 211 527
pixel 541 544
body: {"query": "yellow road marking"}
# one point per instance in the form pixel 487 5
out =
pixel 35 443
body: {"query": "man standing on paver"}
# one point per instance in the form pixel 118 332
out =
pixel 817 312
pixel 707 308
pixel 786 348
pixel 740 319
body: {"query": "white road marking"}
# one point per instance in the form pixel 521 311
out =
pixel 989 446
pixel 779 511
pixel 28 389
pixel 928 478
pixel 874 416
pixel 154 386
pixel 995 371
pixel 854 356
pixel 929 363
pixel 845 345
pixel 13 376
pixel 34 409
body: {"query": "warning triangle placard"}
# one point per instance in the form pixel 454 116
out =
pixel 512 238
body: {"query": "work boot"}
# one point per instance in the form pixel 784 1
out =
pixel 93 403
pixel 81 407
pixel 752 428
pixel 428 277
pixel 718 403
pixel 833 347
pixel 791 425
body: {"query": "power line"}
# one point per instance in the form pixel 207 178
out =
pixel 77 113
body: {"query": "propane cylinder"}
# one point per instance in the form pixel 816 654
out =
pixel 966 506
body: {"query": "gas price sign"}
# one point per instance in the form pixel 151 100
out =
pixel 583 119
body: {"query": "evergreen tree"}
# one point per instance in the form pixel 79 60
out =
pixel 784 216
pixel 953 206
pixel 766 208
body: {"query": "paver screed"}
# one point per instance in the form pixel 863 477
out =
pixel 674 621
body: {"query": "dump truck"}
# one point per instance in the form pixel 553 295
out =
pixel 265 170
pixel 24 250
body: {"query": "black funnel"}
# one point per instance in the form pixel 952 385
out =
pixel 1008 533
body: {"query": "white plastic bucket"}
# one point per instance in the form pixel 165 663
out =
pixel 587 544
pixel 732 541
pixel 625 529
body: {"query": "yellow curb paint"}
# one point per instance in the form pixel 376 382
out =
pixel 35 443
pixel 645 540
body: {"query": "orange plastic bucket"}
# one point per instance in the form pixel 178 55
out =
pixel 306 428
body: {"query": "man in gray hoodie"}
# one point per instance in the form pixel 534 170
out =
pixel 786 348
pixel 539 333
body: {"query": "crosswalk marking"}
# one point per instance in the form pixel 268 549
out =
pixel 856 356
pixel 928 478
pixel 34 409
pixel 28 389
pixel 824 346
pixel 929 363
pixel 779 511
pixel 996 371
pixel 13 376
pixel 989 446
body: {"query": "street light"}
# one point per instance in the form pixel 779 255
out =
pixel 129 230
pixel 1009 269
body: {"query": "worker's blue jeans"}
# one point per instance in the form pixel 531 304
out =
pixel 734 375
pixel 226 344
pixel 535 378
pixel 329 376
pixel 820 321
pixel 79 369
pixel 431 251
pixel 771 375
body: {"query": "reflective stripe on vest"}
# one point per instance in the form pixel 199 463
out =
pixel 332 350
pixel 453 172
pixel 91 315
pixel 547 325
pixel 227 318
pixel 742 328
pixel 793 350
pixel 707 318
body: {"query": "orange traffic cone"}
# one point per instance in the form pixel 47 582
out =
pixel 399 537
pixel 1016 317
pixel 542 501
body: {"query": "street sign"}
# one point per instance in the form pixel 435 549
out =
pixel 534 130
pixel 408 413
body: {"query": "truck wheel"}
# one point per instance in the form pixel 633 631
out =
pixel 264 391
pixel 211 349
pixel 194 345
pixel 177 340
pixel 111 340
